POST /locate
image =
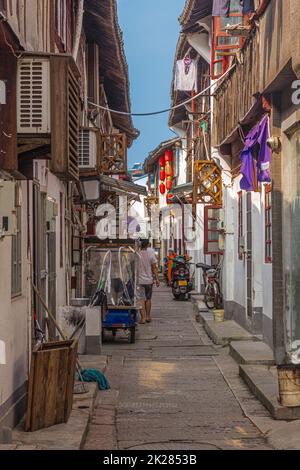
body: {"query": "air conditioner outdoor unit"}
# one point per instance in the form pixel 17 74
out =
pixel 33 96
pixel 48 109
pixel 88 148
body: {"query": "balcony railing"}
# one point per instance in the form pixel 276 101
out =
pixel 234 97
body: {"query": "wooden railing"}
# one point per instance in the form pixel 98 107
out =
pixel 235 95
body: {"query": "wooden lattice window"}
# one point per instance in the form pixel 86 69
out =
pixel 207 183
pixel 225 45
pixel 268 224
pixel 113 154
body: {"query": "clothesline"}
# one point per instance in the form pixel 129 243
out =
pixel 123 113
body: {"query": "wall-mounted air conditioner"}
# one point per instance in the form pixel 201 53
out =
pixel 48 110
pixel 33 96
pixel 88 148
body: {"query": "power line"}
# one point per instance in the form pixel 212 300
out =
pixel 155 113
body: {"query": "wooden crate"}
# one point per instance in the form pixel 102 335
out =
pixel 51 382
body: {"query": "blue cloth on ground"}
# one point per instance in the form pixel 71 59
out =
pixel 94 375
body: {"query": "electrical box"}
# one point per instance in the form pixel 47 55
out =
pixel 9 195
pixel 221 221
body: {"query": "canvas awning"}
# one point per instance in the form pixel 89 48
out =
pixel 121 187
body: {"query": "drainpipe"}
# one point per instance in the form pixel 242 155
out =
pixel 78 31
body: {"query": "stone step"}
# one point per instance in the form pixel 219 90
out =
pixel 252 353
pixel 263 383
pixel 223 333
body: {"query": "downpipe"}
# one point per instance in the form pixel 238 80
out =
pixel 78 31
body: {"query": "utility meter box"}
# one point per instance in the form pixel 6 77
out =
pixel 8 195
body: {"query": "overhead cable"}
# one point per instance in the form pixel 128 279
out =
pixel 123 113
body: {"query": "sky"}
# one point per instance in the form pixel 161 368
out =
pixel 151 31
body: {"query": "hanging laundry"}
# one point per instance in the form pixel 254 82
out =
pixel 256 140
pixel 186 75
pixel 222 7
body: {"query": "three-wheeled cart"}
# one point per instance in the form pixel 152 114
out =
pixel 115 273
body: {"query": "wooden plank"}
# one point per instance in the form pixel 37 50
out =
pixel 51 389
pixel 39 386
pixel 8 113
pixel 61 390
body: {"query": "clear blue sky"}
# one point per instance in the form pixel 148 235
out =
pixel 151 31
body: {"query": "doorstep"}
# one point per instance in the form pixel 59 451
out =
pixel 263 383
pixel 223 333
pixel 251 353
pixel 66 436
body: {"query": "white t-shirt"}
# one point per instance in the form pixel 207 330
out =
pixel 146 260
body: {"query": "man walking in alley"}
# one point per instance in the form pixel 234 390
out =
pixel 148 273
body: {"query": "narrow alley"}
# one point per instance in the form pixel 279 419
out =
pixel 167 391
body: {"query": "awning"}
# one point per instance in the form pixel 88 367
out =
pixel 121 187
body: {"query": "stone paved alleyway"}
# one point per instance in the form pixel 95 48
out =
pixel 167 390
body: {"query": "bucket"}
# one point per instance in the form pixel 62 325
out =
pixel 289 385
pixel 219 315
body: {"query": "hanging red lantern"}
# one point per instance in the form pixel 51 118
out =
pixel 170 198
pixel 168 156
pixel 169 183
pixel 162 188
pixel 162 174
pixel 162 161
pixel 169 170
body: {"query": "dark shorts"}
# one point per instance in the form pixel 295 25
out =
pixel 146 291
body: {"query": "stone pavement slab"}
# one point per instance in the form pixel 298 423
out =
pixel 66 436
pixel 263 383
pixel 168 392
pixel 251 352
pixel 222 333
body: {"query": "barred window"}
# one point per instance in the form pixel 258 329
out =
pixel 268 224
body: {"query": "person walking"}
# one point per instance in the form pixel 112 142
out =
pixel 171 257
pixel 148 273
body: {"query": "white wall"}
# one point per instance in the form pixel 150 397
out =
pixel 14 326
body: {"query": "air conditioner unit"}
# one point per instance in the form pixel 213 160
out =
pixel 88 148
pixel 33 96
pixel 48 108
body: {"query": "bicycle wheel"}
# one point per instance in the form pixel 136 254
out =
pixel 209 297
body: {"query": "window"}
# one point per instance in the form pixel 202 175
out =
pixel 240 225
pixel 225 45
pixel 268 224
pixel 16 251
pixel 61 21
pixel 212 231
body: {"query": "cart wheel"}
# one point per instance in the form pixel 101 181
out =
pixel 132 335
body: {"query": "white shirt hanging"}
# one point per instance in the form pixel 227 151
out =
pixel 186 75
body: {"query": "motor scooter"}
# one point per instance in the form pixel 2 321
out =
pixel 181 282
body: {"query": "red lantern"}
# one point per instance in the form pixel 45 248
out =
pixel 168 156
pixel 170 198
pixel 162 161
pixel 162 175
pixel 169 170
pixel 169 184
pixel 162 188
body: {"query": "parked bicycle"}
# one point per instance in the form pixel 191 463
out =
pixel 212 294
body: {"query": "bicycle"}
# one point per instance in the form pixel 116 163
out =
pixel 212 294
